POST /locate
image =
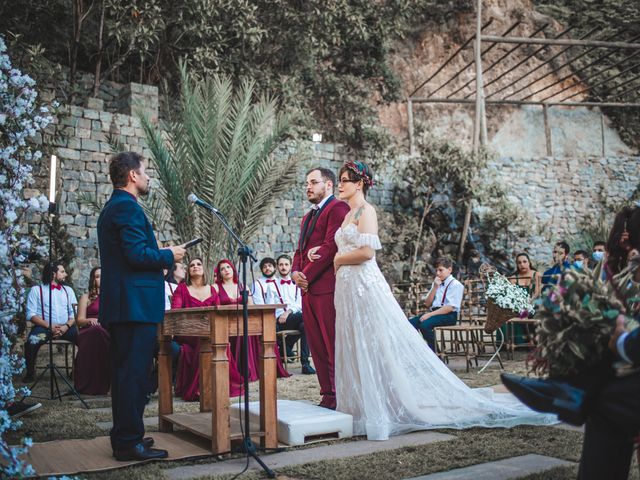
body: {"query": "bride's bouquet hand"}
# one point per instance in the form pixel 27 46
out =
pixel 312 255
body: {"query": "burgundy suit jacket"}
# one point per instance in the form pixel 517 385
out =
pixel 320 273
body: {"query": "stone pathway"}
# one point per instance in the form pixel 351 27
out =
pixel 506 469
pixel 308 455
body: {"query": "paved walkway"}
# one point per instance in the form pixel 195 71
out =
pixel 506 469
pixel 302 456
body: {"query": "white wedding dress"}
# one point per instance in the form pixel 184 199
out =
pixel 386 376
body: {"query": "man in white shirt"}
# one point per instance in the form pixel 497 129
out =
pixel 444 301
pixel 268 269
pixel 62 316
pixel 284 290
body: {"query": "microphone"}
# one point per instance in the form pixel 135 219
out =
pixel 193 198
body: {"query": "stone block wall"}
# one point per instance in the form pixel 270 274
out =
pixel 555 193
pixel 558 194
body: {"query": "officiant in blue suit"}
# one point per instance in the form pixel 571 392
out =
pixel 131 302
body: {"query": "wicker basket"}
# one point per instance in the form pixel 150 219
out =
pixel 497 316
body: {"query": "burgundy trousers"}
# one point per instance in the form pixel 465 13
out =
pixel 319 315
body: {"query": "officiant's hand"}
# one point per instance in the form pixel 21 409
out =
pixel 312 255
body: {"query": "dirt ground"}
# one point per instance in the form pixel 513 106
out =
pixel 68 419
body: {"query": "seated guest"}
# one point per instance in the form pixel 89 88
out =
pixel 92 365
pixel 268 269
pixel 229 291
pixel 527 278
pixel 283 290
pixel 560 264
pixel 171 280
pixel 195 292
pixel 444 300
pixel 580 260
pixel 62 317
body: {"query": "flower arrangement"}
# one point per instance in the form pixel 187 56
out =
pixel 578 318
pixel 507 295
pixel 21 119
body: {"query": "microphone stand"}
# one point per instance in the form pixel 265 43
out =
pixel 244 252
pixel 51 367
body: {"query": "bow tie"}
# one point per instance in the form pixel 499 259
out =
pixel 271 280
pixel 55 286
pixel 285 282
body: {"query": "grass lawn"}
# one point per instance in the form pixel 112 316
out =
pixel 67 419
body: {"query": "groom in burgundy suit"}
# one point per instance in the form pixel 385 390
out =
pixel 317 279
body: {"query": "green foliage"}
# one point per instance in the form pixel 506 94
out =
pixel 326 58
pixel 224 145
pixel 430 198
pixel 577 319
pixel 610 18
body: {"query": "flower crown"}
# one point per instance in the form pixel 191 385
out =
pixel 362 170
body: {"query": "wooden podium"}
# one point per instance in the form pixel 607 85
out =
pixel 214 326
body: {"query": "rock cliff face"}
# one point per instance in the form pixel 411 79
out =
pixel 510 130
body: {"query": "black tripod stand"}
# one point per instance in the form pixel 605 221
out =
pixel 244 252
pixel 53 370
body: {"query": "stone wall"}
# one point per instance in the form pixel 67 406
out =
pixel 558 194
pixel 83 149
pixel 555 193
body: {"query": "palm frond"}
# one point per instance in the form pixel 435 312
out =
pixel 225 145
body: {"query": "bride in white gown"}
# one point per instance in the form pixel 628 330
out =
pixel 386 376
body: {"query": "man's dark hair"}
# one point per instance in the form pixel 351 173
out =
pixel 285 256
pixel 581 252
pixel 49 270
pixel 266 260
pixel 600 243
pixel 565 246
pixel 120 165
pixel 443 262
pixel 326 174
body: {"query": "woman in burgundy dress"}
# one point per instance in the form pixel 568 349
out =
pixel 228 289
pixel 92 365
pixel 195 292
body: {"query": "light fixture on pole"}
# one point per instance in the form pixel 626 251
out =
pixel 51 367
pixel 52 184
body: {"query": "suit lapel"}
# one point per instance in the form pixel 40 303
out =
pixel 313 219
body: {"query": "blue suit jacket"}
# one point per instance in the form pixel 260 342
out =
pixel 131 283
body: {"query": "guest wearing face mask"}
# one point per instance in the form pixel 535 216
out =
pixel 580 260
pixel 598 252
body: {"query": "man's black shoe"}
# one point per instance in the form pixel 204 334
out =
pixel 308 370
pixel 139 453
pixel 549 396
pixel 148 442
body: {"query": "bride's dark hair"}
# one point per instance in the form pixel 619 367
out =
pixel 357 171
